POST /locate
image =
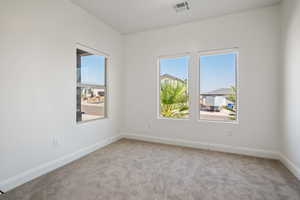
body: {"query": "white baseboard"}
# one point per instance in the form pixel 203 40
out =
pixel 222 148
pixel 31 174
pixel 207 146
pixel 290 165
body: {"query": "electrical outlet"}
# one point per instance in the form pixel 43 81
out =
pixel 55 141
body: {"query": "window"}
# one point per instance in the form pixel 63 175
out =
pixel 218 88
pixel 173 81
pixel 91 85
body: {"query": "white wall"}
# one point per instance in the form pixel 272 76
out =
pixel 38 80
pixel 291 82
pixel 256 33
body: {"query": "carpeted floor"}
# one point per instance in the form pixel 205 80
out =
pixel 134 170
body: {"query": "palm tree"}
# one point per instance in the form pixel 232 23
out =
pixel 173 100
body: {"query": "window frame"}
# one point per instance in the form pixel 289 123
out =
pixel 178 55
pixel 198 93
pixel 94 86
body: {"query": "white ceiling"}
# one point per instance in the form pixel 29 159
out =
pixel 129 16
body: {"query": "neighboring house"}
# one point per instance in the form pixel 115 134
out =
pixel 167 78
pixel 214 100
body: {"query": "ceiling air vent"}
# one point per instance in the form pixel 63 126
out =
pixel 182 6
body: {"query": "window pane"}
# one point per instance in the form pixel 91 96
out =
pixel 174 87
pixel 90 103
pixel 92 68
pixel 91 86
pixel 218 97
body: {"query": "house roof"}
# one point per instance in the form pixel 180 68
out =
pixel 218 92
pixel 168 76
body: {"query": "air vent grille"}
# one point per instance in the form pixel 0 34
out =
pixel 182 6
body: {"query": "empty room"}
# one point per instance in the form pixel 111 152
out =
pixel 150 100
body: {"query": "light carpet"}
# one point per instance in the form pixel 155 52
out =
pixel 135 170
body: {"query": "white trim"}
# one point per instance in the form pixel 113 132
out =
pixel 187 54
pixel 261 153
pixel 217 52
pixel 105 87
pixel 178 119
pixel 234 122
pixel 290 165
pixel 91 50
pixel 31 174
pixel 176 55
pixel 45 168
pixel 206 146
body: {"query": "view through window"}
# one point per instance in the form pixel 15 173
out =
pixel 174 87
pixel 91 86
pixel 218 92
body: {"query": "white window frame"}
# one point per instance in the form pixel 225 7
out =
pixel 159 83
pixel 216 52
pixel 104 87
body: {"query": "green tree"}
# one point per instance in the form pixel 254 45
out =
pixel 232 97
pixel 173 100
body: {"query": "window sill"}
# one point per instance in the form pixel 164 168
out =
pixel 91 120
pixel 235 122
pixel 175 119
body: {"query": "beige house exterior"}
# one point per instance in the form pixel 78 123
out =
pixel 167 78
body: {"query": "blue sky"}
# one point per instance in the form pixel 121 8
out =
pixel 92 69
pixel 175 66
pixel 216 71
